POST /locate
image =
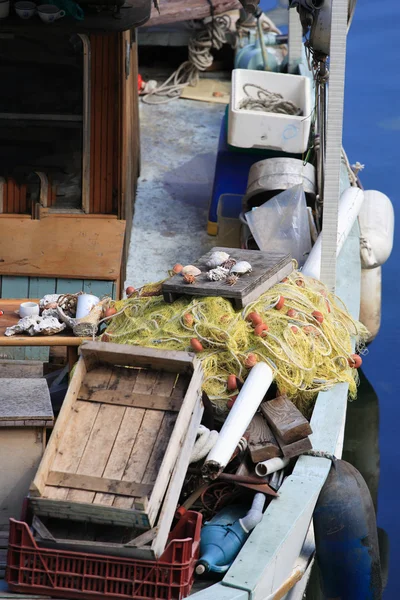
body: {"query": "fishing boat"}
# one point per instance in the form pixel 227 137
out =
pixel 277 558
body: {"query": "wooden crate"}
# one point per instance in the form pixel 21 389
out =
pixel 133 542
pixel 119 435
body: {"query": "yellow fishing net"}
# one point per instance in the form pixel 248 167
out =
pixel 306 356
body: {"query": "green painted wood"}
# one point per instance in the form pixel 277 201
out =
pixel 40 286
pixel 24 287
pixel 98 288
pixel 69 286
pixel 14 287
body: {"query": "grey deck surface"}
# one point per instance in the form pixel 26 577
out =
pixel 179 142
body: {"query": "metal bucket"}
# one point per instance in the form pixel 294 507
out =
pixel 269 177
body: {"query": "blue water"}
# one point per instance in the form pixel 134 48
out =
pixel 371 135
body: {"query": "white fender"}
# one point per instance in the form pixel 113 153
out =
pixel 370 306
pixel 349 207
pixel 376 220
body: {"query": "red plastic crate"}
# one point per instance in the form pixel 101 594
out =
pixel 65 574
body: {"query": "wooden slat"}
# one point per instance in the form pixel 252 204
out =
pixel 145 401
pixel 285 419
pixel 66 414
pixel 69 286
pixel 111 124
pixel 121 451
pixel 125 355
pixel 14 287
pixel 98 448
pixel 92 248
pixel 40 286
pixel 160 447
pixel 98 484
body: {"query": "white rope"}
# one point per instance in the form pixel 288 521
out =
pixel 212 36
pixel 206 440
pixel 267 101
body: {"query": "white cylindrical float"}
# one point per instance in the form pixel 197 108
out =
pixel 376 229
pixel 249 399
pixel 271 466
pixel 371 300
pixel 349 207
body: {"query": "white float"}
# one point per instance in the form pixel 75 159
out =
pixel 376 220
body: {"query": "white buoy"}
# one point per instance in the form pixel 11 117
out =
pixel 371 300
pixel 249 399
pixel 376 229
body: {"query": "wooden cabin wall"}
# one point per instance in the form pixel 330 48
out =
pixel 130 132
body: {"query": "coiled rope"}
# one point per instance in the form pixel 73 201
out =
pixel 213 36
pixel 267 101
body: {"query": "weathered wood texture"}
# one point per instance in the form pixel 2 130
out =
pixel 285 419
pixel 294 448
pixel 131 449
pixel 92 248
pixel 172 11
pixel 11 317
pixel 25 400
pixel 267 270
pixel 262 442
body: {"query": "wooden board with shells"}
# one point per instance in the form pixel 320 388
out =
pixel 239 275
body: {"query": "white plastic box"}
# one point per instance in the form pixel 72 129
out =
pixel 274 131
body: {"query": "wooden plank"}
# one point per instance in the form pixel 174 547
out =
pixel 267 269
pixel 285 419
pixel 141 451
pixel 177 479
pixel 40 286
pixel 98 484
pixel 96 513
pixel 193 396
pixel 159 448
pixel 124 442
pixel 98 288
pixel 125 355
pixel 262 443
pixel 294 448
pixel 13 287
pixel 92 248
pixel 67 413
pixel 136 400
pixel 209 90
pixel 98 448
pixel 69 286
pixel 22 399
pixel 21 368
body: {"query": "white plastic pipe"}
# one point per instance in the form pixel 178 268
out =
pixel 270 466
pixel 249 399
pixel 350 204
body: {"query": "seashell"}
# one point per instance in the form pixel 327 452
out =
pixel 228 264
pixel 190 270
pixel 241 268
pixel 216 259
pixel 218 274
